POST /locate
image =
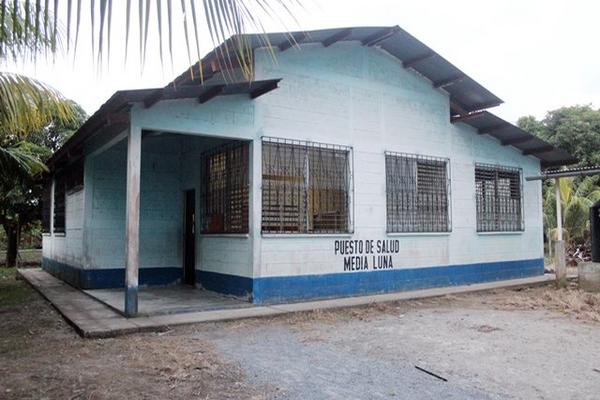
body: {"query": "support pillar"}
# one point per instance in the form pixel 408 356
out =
pixel 560 256
pixel 132 220
pixel 560 263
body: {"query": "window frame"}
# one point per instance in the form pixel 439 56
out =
pixel 59 229
pixel 306 146
pixel 497 229
pixel 391 230
pixel 244 147
pixel 47 208
pixel 74 177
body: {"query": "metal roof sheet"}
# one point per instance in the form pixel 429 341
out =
pixel 566 172
pixel 466 95
pixel 122 98
pixel 508 134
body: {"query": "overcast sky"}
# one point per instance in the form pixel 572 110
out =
pixel 536 55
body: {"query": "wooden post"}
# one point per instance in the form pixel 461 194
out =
pixel 132 220
pixel 559 228
pixel 560 262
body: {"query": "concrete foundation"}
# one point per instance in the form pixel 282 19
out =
pixel 589 276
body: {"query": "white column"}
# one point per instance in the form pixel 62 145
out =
pixel 132 220
pixel 560 261
pixel 559 233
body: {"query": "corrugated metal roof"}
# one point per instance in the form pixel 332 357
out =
pixel 508 134
pixel 121 99
pixel 466 95
pixel 566 172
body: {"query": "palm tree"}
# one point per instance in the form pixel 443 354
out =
pixel 576 200
pixel 30 28
pixel 27 26
pixel 26 106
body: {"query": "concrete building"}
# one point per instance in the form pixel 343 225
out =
pixel 358 161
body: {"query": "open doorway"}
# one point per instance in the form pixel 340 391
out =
pixel 189 240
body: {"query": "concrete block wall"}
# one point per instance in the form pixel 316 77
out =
pixel 224 262
pixel 160 202
pixel 345 94
pixel 67 248
pixel 358 96
pixel 222 254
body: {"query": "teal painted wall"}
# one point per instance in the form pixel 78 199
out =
pixel 160 202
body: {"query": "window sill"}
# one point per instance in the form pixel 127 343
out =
pixel 59 234
pixel 225 235
pixel 500 233
pixel 47 234
pixel 396 234
pixel 306 235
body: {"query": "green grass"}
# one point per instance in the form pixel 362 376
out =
pixel 26 257
pixel 12 291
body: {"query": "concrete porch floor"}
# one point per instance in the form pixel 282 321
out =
pixel 172 299
pixel 92 318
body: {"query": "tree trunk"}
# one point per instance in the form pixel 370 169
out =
pixel 12 248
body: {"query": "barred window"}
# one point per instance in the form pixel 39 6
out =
pixel 46 206
pixel 225 189
pixel 305 187
pixel 417 193
pixel 498 193
pixel 59 204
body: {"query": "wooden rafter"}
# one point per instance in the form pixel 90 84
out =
pixel 341 35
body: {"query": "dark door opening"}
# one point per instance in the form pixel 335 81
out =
pixel 189 238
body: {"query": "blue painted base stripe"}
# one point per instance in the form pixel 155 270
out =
pixel 304 287
pixel 225 283
pixel 109 278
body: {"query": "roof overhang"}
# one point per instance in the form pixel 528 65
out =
pixel 565 173
pixel 508 134
pixel 466 95
pixel 113 115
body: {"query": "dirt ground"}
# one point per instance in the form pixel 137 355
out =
pixel 499 344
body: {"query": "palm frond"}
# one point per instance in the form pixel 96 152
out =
pixel 20 160
pixel 26 31
pixel 27 105
pixel 594 195
pixel 586 186
pixel 32 30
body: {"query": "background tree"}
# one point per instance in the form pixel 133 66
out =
pixel 575 129
pixel 20 193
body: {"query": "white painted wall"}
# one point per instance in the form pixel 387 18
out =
pixel 361 97
pixel 67 247
pixel 345 94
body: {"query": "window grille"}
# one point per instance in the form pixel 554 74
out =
pixel 74 177
pixel 305 187
pixel 417 193
pixel 498 193
pixel 47 207
pixel 59 204
pixel 225 189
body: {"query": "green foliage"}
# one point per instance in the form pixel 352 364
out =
pixel 575 129
pixel 577 197
pixel 12 292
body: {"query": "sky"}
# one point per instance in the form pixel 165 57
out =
pixel 536 55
